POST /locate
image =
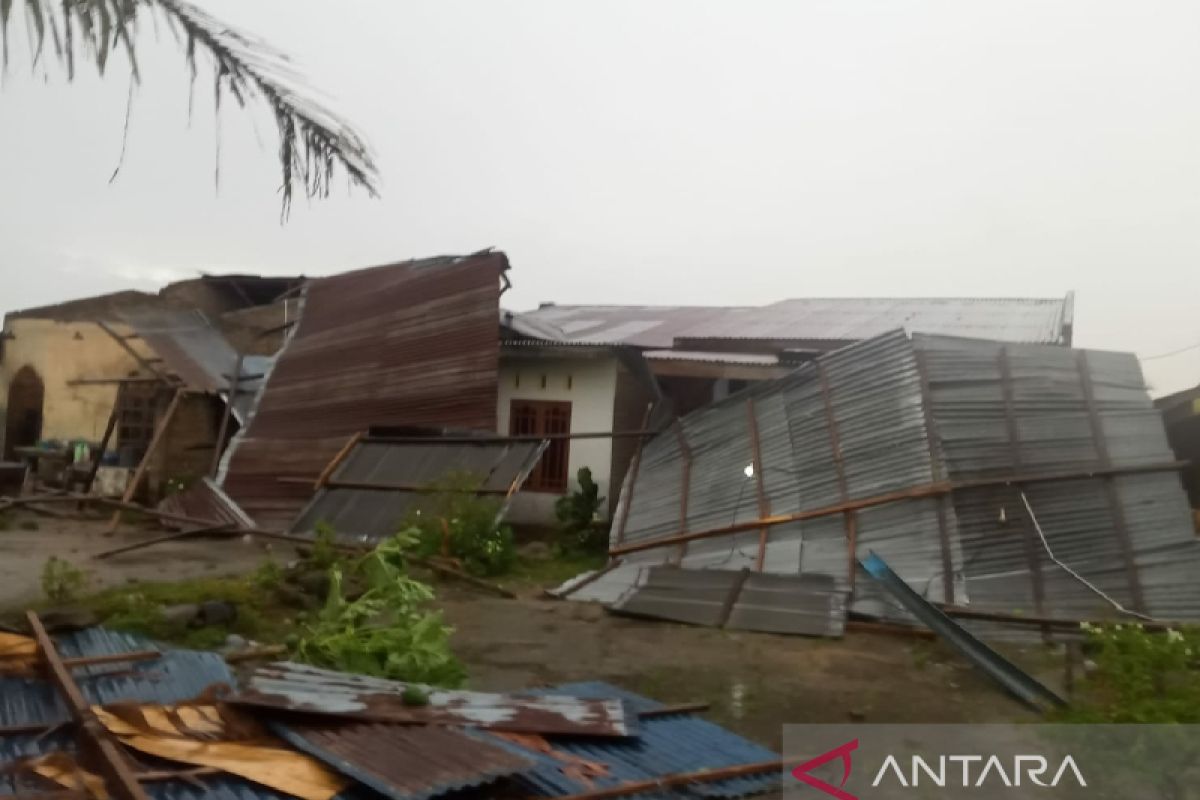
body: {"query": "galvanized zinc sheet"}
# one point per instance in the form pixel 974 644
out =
pixel 360 514
pixel 889 415
pixel 665 745
pixel 403 762
pixel 842 319
pixel 807 604
pixel 413 343
pixel 298 687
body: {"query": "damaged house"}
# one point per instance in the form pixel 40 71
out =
pixel 580 369
pixel 1017 484
pixel 105 370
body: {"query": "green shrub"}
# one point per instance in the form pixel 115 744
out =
pixel 464 525
pixel 577 513
pixel 1140 676
pixel 325 552
pixel 388 631
pixel 62 581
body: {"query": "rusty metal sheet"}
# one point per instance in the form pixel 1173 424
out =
pixel 414 343
pixel 373 514
pixel 297 687
pixel 205 500
pixel 400 761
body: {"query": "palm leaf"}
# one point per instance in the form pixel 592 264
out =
pixel 314 143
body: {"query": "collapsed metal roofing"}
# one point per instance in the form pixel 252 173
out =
pixel 196 353
pixel 919 449
pixel 380 482
pixel 298 687
pixel 1027 320
pixel 405 344
pixel 454 750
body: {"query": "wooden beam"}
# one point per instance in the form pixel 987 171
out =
pixel 387 487
pixel 936 475
pixel 223 429
pixel 218 528
pixel 685 484
pixel 112 658
pixel 113 765
pixel 337 460
pixel 1029 538
pixel 159 431
pixel 631 481
pixel 849 520
pixel 135 355
pixel 1115 504
pixel 98 457
pixel 111 381
pixel 677 779
pixel 764 503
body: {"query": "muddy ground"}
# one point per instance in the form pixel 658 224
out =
pixel 24 550
pixel 755 683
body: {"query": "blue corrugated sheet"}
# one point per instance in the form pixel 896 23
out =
pixel 664 746
pixel 177 676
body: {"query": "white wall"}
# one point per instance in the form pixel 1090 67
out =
pixel 592 383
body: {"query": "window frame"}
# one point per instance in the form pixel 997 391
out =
pixel 552 473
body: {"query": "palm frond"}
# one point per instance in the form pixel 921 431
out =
pixel 314 143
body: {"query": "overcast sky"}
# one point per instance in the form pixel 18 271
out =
pixel 661 152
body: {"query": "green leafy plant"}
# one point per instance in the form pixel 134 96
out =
pixel 324 553
pixel 1140 676
pixel 453 520
pixel 577 516
pixel 62 581
pixel 268 576
pixel 388 630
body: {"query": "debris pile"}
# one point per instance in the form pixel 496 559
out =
pixel 95 714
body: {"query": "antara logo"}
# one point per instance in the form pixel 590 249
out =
pixel 942 772
pixel 1032 767
pixel 800 773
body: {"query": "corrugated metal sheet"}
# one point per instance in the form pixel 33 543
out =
pixel 1033 320
pixel 298 687
pixel 197 353
pixel 865 429
pixel 178 676
pixel 752 359
pixel 372 514
pixel 406 344
pixel 665 745
pixel 204 500
pixel 404 762
pixel 810 605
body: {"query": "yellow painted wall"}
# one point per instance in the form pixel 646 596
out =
pixel 60 352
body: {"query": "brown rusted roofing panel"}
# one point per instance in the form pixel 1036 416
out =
pixel 403 762
pixel 205 500
pixel 298 687
pixel 413 343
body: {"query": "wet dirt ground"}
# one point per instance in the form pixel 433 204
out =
pixel 754 683
pixel 23 554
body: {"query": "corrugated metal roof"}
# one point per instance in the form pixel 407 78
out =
pixel 857 424
pixel 371 514
pixel 755 359
pixel 204 500
pixel 198 354
pixel 298 687
pixel 807 604
pixel 413 343
pixel 404 762
pixel 179 675
pixel 665 745
pixel 1034 320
